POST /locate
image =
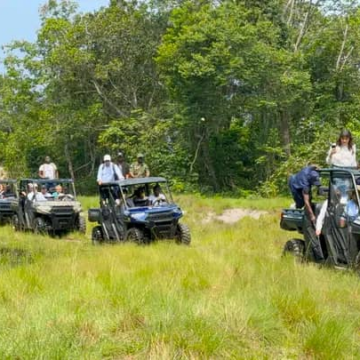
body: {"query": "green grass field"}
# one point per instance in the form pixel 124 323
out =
pixel 230 295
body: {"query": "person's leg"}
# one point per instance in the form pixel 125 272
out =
pixel 312 242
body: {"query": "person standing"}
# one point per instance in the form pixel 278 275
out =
pixel 300 186
pixel 48 170
pixel 139 169
pixel 123 165
pixel 343 152
pixel 108 171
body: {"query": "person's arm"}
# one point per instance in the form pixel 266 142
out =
pixel 56 172
pixel 131 172
pixel 41 172
pixel 308 206
pixel 320 219
pixel 354 162
pixel 147 171
pixel 118 172
pixel 331 152
pixel 98 178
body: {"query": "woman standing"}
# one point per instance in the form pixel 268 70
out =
pixel 343 153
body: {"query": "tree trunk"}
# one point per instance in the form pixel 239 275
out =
pixel 68 159
pixel 285 131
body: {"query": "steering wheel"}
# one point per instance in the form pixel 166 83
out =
pixel 66 197
pixel 158 202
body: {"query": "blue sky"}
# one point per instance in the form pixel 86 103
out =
pixel 19 19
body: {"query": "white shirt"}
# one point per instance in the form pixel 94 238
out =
pixel 159 198
pixel 321 217
pixel 107 173
pixel 343 157
pixel 38 197
pixel 48 170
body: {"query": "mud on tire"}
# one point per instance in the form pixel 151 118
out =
pixel 295 247
pixel 97 236
pixel 183 235
pixel 135 235
pixel 81 225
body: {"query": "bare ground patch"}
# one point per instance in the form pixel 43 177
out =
pixel 231 216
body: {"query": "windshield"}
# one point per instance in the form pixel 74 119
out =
pixel 151 194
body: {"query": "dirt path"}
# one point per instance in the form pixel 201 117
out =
pixel 230 216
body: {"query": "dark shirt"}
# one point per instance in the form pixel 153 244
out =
pixel 304 179
pixel 125 168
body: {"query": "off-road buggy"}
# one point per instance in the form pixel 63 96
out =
pixel 8 196
pixel 56 214
pixel 123 216
pixel 340 234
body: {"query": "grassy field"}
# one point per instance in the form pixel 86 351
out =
pixel 229 295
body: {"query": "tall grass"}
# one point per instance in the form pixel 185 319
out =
pixel 228 295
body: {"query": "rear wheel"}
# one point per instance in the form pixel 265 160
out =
pixel 135 235
pixel 81 225
pixel 183 235
pixel 295 247
pixel 40 226
pixel 97 236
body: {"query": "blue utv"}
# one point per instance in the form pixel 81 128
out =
pixel 140 210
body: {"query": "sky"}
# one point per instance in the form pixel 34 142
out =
pixel 19 19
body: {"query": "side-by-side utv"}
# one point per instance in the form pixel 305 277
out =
pixel 48 210
pixel 339 241
pixel 130 211
pixel 8 197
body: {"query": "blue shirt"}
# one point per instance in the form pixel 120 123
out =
pixel 304 179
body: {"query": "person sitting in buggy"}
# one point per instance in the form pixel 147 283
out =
pixel 140 198
pixel 157 197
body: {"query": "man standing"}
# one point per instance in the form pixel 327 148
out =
pixel 123 165
pixel 48 170
pixel 300 185
pixel 108 171
pixel 139 169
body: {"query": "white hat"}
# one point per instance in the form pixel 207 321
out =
pixel 107 157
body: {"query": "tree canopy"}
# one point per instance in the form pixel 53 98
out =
pixel 219 95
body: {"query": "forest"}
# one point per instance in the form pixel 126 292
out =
pixel 222 96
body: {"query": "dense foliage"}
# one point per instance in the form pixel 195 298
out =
pixel 219 95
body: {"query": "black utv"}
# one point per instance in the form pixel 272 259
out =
pixel 139 210
pixel 8 197
pixel 339 240
pixel 48 207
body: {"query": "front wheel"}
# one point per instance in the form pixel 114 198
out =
pixel 183 235
pixel 16 222
pixel 81 225
pixel 40 226
pixel 295 247
pixel 135 235
pixel 97 236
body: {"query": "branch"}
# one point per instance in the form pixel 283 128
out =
pixel 97 87
pixel 342 47
pixel 196 153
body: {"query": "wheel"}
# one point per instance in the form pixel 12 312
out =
pixel 40 226
pixel 81 225
pixel 183 235
pixel 295 247
pixel 97 237
pixel 135 235
pixel 356 265
pixel 16 222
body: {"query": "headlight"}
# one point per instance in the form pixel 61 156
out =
pixel 42 208
pixel 139 216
